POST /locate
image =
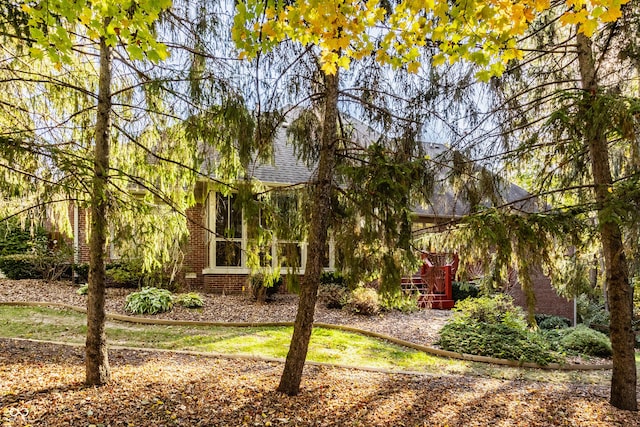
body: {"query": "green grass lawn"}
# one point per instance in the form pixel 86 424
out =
pixel 327 345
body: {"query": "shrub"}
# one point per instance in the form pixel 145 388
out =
pixel 600 318
pixel 190 300
pixel 464 290
pixel 124 274
pixel 129 274
pixel 149 301
pixel 548 322
pixel 263 287
pixel 500 340
pixel 584 340
pixel 495 327
pixel 21 266
pixel 494 309
pixel 83 290
pixel 333 296
pixel 82 272
pixel 332 278
pixel 591 312
pixel 364 301
pixel 14 239
pixel 54 262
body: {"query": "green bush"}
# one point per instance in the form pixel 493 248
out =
pixel 124 274
pixel 332 278
pixel 129 274
pixel 364 301
pixel 494 327
pixel 55 262
pixel 333 296
pixel 495 309
pixel 82 272
pixel 583 340
pixel 83 290
pixel 14 239
pixel 600 318
pixel 264 287
pixel 149 301
pixel 547 322
pixel 464 290
pixel 499 340
pixel 21 266
pixel 189 300
pixel 591 311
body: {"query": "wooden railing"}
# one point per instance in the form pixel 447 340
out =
pixel 433 282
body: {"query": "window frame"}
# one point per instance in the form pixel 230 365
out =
pixel 212 237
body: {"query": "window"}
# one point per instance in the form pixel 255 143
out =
pixel 290 254
pixel 232 237
pixel 228 232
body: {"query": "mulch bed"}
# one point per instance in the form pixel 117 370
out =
pixel 42 385
pixel 420 327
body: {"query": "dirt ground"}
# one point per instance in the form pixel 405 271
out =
pixel 42 385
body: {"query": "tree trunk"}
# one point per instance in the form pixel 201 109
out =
pixel 620 294
pixel 97 362
pixel 320 214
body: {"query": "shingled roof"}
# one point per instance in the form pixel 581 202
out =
pixel 287 169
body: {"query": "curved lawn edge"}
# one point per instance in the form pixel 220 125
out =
pixel 408 344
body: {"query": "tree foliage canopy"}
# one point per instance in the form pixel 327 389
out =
pixel 483 32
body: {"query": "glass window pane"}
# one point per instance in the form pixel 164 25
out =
pixel 289 254
pixel 256 224
pixel 235 222
pixel 228 254
pixel 228 217
pixel 265 257
pixel 222 214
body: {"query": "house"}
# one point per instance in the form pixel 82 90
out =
pixel 216 256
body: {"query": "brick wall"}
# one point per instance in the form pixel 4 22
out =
pixel 195 259
pixel 225 283
pixel 83 228
pixel 547 300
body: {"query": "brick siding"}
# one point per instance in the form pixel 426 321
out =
pixel 195 259
pixel 547 299
pixel 225 283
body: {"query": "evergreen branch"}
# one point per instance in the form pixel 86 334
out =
pixel 37 206
pixel 168 160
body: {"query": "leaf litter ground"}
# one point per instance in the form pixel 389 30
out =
pixel 41 384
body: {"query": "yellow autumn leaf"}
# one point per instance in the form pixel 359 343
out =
pixel 611 15
pixel 85 16
pixel 413 67
pixel 542 5
pixel 438 60
pixel 267 30
pixel 568 18
pixel 269 13
pixel 329 68
pixel 588 27
pixel 343 62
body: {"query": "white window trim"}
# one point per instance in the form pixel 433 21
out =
pixel 211 238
